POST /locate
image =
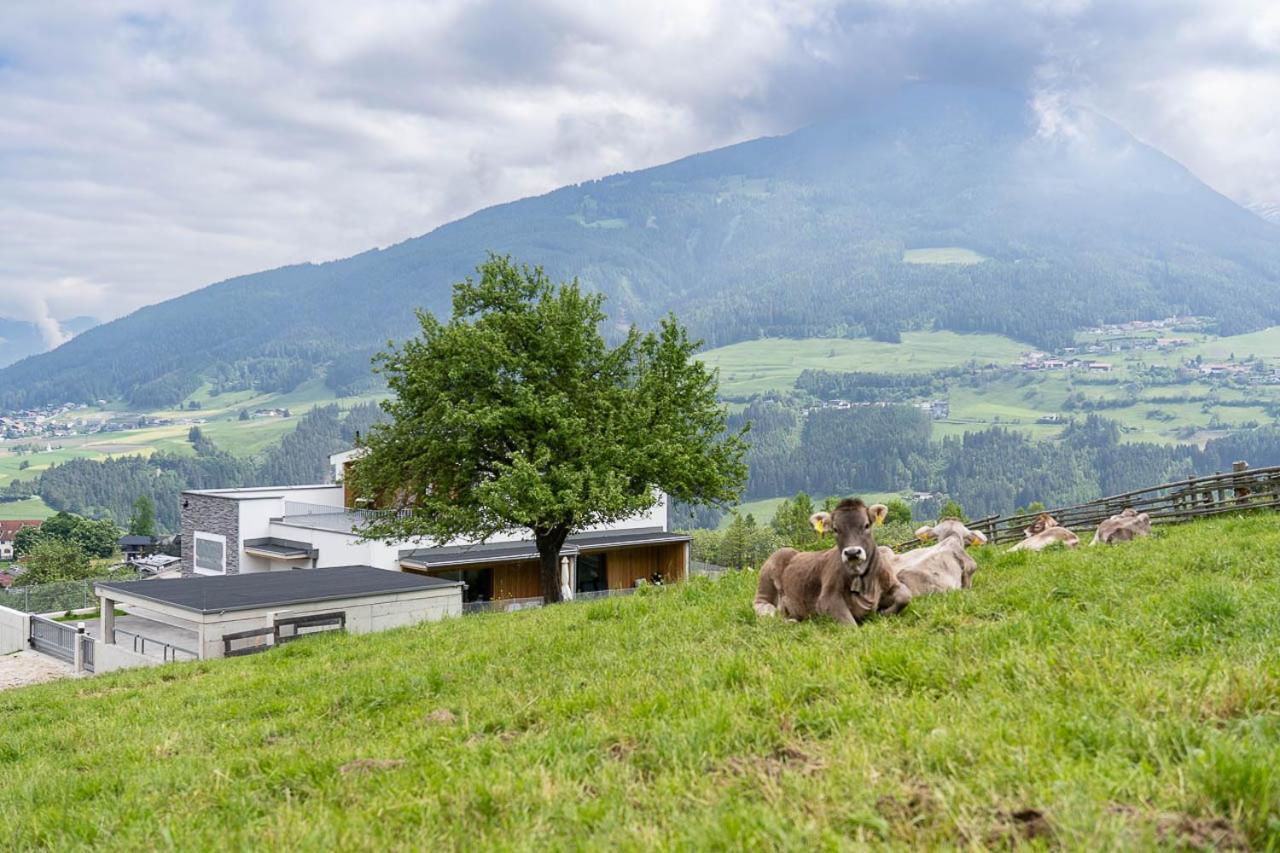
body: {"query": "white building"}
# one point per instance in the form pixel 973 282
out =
pixel 241 531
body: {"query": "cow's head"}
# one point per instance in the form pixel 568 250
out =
pixel 949 528
pixel 851 523
pixel 1042 523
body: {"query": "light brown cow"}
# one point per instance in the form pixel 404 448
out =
pixel 941 567
pixel 1124 527
pixel 1044 532
pixel 848 582
pixel 1042 523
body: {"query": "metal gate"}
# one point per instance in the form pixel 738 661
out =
pixel 86 651
pixel 56 639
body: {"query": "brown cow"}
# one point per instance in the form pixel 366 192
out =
pixel 1042 523
pixel 1124 527
pixel 940 567
pixel 848 582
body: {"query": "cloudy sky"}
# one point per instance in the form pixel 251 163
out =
pixel 149 147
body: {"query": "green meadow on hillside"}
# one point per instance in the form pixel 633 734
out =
pixel 222 424
pixel 1109 698
pixel 772 364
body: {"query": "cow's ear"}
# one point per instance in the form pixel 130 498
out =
pixel 977 537
pixel 924 534
pixel 820 521
pixel 878 513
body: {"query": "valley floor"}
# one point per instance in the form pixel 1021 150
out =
pixel 1102 699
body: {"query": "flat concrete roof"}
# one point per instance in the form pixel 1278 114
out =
pixel 255 493
pixel 222 593
pixel 525 549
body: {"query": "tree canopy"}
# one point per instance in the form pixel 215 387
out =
pixel 516 414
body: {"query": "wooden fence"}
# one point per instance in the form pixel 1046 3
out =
pixel 1240 489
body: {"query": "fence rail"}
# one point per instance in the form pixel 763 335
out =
pixel 140 644
pixel 1238 490
pixel 58 597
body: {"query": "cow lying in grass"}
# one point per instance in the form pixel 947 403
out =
pixel 941 567
pixel 1124 527
pixel 848 582
pixel 1044 532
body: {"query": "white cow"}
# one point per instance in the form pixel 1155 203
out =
pixel 941 567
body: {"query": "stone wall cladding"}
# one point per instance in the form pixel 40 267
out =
pixel 210 514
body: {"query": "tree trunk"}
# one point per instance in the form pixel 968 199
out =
pixel 549 543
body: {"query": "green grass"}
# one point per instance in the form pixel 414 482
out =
pixel 1130 696
pixel 29 508
pixel 943 255
pixel 767 364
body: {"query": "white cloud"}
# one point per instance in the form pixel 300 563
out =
pixel 148 147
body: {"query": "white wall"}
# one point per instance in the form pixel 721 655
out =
pixel 109 658
pixel 346 549
pixel 15 629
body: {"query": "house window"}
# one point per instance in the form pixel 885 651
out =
pixel 211 554
pixel 593 574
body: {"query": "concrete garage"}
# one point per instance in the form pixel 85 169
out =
pixel 242 614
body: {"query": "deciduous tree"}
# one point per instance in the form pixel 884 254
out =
pixel 516 414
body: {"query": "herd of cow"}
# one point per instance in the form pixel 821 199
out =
pixel 857 578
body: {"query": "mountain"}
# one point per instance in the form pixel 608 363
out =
pixel 960 208
pixel 19 339
pixel 1269 211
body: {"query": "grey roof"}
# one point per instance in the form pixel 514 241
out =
pixel 216 594
pixel 287 549
pixel 525 549
pixel 136 540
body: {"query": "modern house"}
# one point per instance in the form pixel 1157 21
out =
pixel 135 547
pixel 242 531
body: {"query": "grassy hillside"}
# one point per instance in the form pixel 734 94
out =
pixel 1102 699
pixel 772 364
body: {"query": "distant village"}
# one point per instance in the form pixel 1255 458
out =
pixel 66 420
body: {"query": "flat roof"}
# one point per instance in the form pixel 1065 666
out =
pixel 221 593
pixel 525 549
pixel 250 493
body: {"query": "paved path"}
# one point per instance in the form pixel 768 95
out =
pixel 28 667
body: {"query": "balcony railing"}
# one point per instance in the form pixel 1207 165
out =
pixel 342 519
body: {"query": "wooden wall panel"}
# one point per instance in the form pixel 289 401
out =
pixel 627 565
pixel 516 580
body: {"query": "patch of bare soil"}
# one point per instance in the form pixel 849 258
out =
pixel 1186 831
pixel 787 758
pixel 1022 825
pixel 442 717
pixel 910 808
pixel 370 765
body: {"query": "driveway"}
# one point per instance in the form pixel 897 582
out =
pixel 27 667
pixel 127 627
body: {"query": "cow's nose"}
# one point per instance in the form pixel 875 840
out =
pixel 854 555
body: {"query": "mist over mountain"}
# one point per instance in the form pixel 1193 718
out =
pixel 944 207
pixel 19 339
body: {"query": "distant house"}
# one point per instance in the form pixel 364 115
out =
pixel 9 532
pixel 1099 367
pixel 136 547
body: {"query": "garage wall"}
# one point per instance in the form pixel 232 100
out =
pixel 364 615
pixel 15 628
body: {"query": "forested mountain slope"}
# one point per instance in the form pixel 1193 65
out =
pixel 834 229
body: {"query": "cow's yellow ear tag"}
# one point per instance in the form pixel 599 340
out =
pixel 817 525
